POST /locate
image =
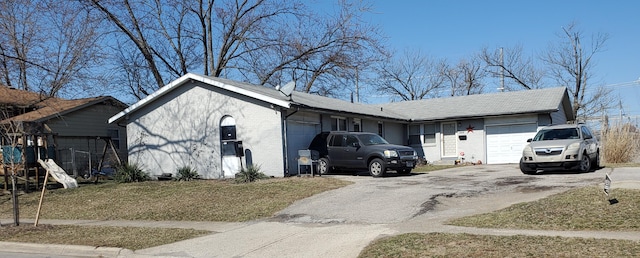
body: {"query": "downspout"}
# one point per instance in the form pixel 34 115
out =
pixel 284 139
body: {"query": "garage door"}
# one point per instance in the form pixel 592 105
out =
pixel 505 142
pixel 299 135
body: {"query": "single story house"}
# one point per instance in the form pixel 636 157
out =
pixel 218 126
pixel 76 131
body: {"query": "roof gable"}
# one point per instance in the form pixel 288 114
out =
pixel 250 90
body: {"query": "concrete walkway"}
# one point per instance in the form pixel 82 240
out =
pixel 271 239
pixel 268 238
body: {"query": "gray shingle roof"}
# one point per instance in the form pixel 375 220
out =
pixel 492 104
pixel 519 102
pixel 311 101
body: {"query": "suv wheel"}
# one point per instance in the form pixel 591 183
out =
pixel 377 168
pixel 323 166
pixel 585 163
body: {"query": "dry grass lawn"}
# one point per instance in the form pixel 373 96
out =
pixel 200 200
pixel 579 209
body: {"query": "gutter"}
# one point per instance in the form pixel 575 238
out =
pixel 285 146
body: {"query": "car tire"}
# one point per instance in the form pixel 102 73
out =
pixel 323 166
pixel 377 168
pixel 525 170
pixel 585 163
pixel 405 171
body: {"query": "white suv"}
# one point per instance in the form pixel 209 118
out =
pixel 570 146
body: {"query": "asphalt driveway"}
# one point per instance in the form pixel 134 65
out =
pixel 395 199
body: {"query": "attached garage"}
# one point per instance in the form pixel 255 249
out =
pixel 505 142
pixel 301 128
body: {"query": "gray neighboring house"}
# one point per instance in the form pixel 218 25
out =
pixel 217 126
pixel 77 131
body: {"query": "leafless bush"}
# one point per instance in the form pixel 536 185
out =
pixel 620 144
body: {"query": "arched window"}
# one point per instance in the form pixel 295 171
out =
pixel 228 135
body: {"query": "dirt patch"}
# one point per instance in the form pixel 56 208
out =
pixel 533 188
pixel 431 204
pixel 303 218
pixel 507 181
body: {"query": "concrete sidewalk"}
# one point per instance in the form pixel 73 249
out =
pixel 272 239
pixel 269 238
pixel 250 239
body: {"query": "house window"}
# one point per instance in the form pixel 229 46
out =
pixel 338 123
pixel 114 134
pixel 228 136
pixel 430 134
pixel 381 129
pixel 414 135
pixel 357 127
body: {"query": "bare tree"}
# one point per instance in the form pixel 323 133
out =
pixel 320 52
pixel 132 20
pixel 509 63
pixel 571 64
pixel 46 46
pixel 465 78
pixel 260 41
pixel 411 76
pixel 452 76
pixel 18 36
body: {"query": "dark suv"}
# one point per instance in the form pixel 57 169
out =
pixel 359 150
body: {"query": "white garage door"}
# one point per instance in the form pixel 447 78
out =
pixel 505 142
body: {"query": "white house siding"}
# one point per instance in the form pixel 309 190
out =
pixel 182 129
pixel 301 128
pixel 507 136
pixel 430 151
pixel 473 147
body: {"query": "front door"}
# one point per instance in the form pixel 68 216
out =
pixel 449 139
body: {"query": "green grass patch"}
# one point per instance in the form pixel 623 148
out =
pixel 467 245
pixel 585 208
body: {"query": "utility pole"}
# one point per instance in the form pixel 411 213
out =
pixel 501 71
pixel 621 113
pixel 357 87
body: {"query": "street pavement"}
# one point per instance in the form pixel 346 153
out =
pixel 340 223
